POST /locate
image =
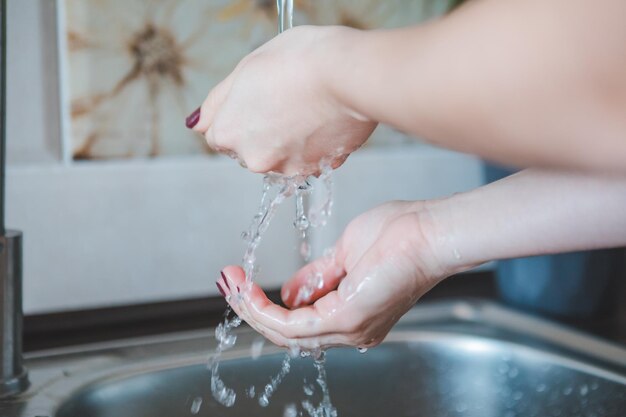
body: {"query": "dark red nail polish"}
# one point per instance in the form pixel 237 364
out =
pixel 225 280
pixel 193 118
pixel 219 287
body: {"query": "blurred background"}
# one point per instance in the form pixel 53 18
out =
pixel 128 217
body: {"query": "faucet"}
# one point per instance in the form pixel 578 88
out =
pixel 13 375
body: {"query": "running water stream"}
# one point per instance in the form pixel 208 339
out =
pixel 276 189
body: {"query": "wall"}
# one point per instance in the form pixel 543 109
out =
pixel 106 233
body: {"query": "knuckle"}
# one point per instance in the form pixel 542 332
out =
pixel 408 226
pixel 367 339
pixel 258 165
pixel 209 138
pixel 221 134
pixel 351 325
pixel 291 332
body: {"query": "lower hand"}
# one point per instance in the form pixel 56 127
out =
pixel 383 263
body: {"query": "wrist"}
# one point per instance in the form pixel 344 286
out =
pixel 340 55
pixel 445 237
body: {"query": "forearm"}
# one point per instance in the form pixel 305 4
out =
pixel 530 213
pixel 542 80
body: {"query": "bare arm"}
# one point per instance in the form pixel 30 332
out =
pixel 523 82
pixel 534 212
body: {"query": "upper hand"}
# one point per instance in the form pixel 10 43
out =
pixel 276 112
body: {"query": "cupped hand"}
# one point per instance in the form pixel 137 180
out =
pixel 276 112
pixel 385 260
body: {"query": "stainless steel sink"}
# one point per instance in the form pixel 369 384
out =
pixel 467 359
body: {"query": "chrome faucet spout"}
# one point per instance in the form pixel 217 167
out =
pixel 13 376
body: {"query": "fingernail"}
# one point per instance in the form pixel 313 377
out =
pixel 219 287
pixel 225 280
pixel 193 118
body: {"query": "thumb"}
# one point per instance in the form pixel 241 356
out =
pixel 312 282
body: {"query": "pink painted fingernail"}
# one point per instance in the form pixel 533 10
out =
pixel 193 118
pixel 219 287
pixel 225 280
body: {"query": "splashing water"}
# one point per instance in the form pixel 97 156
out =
pixel 314 280
pixel 302 221
pixel 225 340
pixel 290 411
pixel 264 398
pixel 257 347
pixel 276 189
pixel 318 216
pixel 195 405
pixel 325 407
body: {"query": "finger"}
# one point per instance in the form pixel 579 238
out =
pixel 212 104
pixel 231 291
pixel 258 311
pixel 312 282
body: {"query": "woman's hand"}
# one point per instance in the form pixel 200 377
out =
pixel 275 112
pixel 384 262
pixel 390 256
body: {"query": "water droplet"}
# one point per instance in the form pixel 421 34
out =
pixel 567 390
pixel 325 408
pixel 290 411
pixel 361 349
pixel 305 250
pixel 251 392
pixel 301 223
pixel 257 347
pixel 195 405
pixel 264 399
pixel 294 350
pixel 583 390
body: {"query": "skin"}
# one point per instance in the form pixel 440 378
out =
pixel 522 82
pixel 390 256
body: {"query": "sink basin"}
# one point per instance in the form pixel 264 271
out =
pixel 444 359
